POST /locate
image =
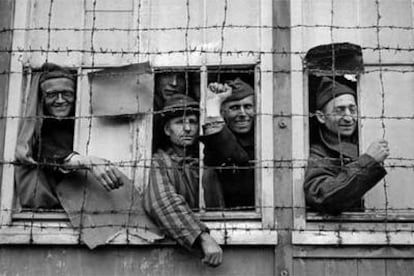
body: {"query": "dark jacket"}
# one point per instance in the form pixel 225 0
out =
pixel 336 178
pixel 53 146
pixel 232 157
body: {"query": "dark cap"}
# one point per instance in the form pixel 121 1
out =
pixel 53 71
pixel 329 89
pixel 178 105
pixel 240 90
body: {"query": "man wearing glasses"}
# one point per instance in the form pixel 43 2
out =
pixel 98 199
pixel 51 144
pixel 337 177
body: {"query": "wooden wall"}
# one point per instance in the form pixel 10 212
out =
pixel 6 21
pixel 355 266
pixel 353 260
pixel 129 260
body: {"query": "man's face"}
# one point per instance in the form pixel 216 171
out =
pixel 339 115
pixel 239 115
pixel 183 130
pixel 170 84
pixel 58 96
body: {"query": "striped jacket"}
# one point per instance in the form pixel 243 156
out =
pixel 171 194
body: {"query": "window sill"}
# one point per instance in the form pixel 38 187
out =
pixel 36 232
pixel 363 228
pixel 370 216
pixel 229 215
pixel 357 237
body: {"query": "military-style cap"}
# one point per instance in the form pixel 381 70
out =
pixel 177 105
pixel 240 90
pixel 329 89
pixel 54 71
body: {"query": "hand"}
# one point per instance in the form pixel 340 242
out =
pixel 216 94
pixel 213 254
pixel 378 150
pixel 107 174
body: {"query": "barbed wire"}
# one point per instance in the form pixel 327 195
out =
pixel 209 27
pixel 225 69
pixel 192 50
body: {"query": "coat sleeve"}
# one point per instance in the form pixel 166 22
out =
pixel 169 209
pixel 223 147
pixel 332 188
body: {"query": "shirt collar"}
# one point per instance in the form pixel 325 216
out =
pixel 181 160
pixel 341 145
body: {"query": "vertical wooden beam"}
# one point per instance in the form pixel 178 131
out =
pixel 265 130
pixel 12 110
pixel 282 135
pixel 6 20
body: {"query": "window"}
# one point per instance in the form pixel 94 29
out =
pixel 379 221
pixel 143 33
pixel 235 183
pixel 194 77
pixel 210 187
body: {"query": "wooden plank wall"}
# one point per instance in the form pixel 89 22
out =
pixel 129 260
pixel 6 18
pixel 355 266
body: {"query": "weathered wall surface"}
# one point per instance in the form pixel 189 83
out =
pixel 356 266
pixel 129 260
pixel 6 18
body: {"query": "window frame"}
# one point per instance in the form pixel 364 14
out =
pixel 350 228
pixel 264 189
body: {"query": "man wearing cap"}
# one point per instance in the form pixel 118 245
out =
pixel 173 189
pixel 50 175
pixel 229 144
pixel 49 141
pixel 337 178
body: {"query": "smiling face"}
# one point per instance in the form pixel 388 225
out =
pixel 182 130
pixel 169 84
pixel 58 96
pixel 339 115
pixel 239 115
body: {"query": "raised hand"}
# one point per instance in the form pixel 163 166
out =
pixel 378 150
pixel 216 94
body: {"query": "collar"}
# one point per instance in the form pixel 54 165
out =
pixel 247 139
pixel 342 145
pixel 181 160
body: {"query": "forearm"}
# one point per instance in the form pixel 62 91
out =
pixel 335 192
pixel 222 147
pixel 177 220
pixel 213 125
pixel 170 210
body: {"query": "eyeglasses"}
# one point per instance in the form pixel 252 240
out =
pixel 67 95
pixel 342 110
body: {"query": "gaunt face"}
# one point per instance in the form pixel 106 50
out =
pixel 183 130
